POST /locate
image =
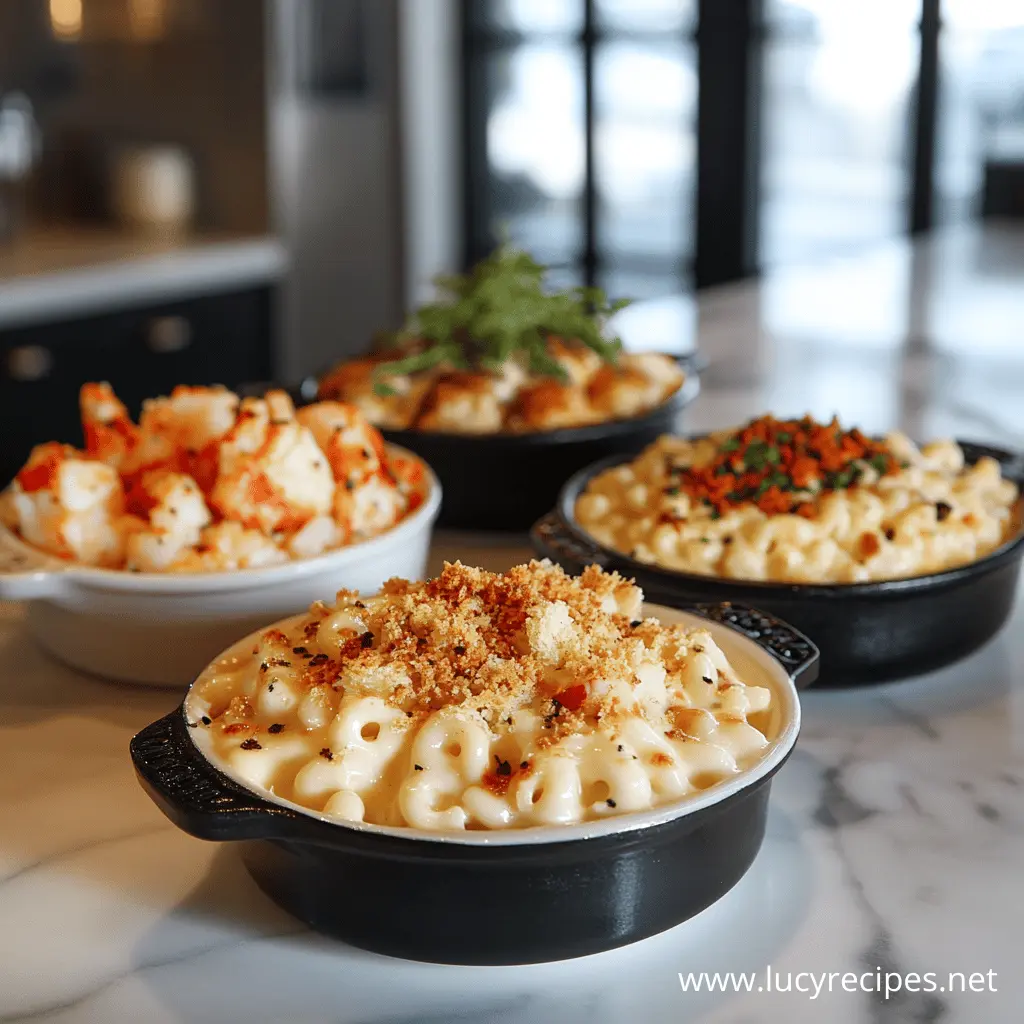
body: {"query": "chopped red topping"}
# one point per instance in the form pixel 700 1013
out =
pixel 778 464
pixel 572 697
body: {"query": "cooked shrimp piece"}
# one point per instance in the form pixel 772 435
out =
pixel 178 432
pixel 174 512
pixel 67 505
pixel 411 478
pixel 639 383
pixel 368 508
pixel 551 405
pixel 193 416
pixel 271 476
pixel 463 403
pixel 353 447
pixel 317 536
pixel 353 383
pixel 110 434
pixel 229 546
pixel 8 512
pixel 579 361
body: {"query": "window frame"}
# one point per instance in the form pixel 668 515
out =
pixel 730 37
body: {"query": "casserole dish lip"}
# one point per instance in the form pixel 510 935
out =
pixel 1012 547
pixel 684 396
pixel 277 810
pixel 37 566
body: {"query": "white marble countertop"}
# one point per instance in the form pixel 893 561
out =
pixel 896 832
pixel 52 274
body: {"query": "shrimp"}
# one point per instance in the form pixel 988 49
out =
pixel 368 508
pixel 110 434
pixel 354 448
pixel 317 536
pixel 67 504
pixel 353 382
pixel 229 546
pixel 181 432
pixel 271 476
pixel 170 515
pixel 411 478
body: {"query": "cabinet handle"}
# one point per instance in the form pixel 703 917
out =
pixel 168 334
pixel 28 363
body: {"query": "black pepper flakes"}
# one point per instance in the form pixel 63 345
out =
pixel 275 728
pixel 264 667
pixel 301 651
pixel 418 767
pixel 708 680
pixel 206 720
pixel 620 748
pixel 270 688
pixel 366 640
pixel 504 768
pixel 319 659
pixel 610 802
pixel 350 485
pixel 192 725
pixel 890 533
pixel 251 744
pixel 460 649
pixel 327 752
pixel 524 765
pixel 942 510
pixel 635 623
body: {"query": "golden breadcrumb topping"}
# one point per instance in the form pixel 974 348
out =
pixel 488 643
pixel 482 700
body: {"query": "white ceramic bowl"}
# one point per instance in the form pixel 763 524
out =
pixel 163 629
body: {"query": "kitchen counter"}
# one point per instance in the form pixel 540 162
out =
pixel 896 833
pixel 54 274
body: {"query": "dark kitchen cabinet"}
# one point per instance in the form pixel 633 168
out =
pixel 213 339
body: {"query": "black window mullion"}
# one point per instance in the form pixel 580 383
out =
pixel 925 115
pixel 475 172
pixel 729 61
pixel 589 40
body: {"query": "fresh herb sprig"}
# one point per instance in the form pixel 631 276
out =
pixel 498 310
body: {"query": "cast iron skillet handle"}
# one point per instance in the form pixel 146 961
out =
pixel 797 655
pixel 554 540
pixel 198 798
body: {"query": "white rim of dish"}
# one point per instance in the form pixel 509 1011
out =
pixel 40 565
pixel 785 739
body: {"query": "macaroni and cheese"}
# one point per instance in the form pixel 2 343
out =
pixel 799 501
pixel 207 481
pixel 482 701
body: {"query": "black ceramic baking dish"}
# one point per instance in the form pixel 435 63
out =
pixel 866 632
pixel 512 897
pixel 505 481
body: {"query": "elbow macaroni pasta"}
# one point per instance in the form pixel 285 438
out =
pixel 482 701
pixel 931 513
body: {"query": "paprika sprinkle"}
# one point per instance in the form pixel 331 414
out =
pixel 779 465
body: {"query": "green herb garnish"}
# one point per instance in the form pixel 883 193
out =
pixel 499 310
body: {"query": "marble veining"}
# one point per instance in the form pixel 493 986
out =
pixel 896 833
